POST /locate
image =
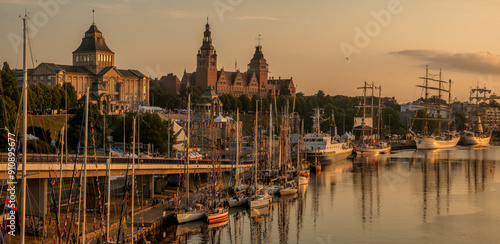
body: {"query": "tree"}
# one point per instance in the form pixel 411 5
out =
pixel 75 126
pixel 68 92
pixel 195 95
pixel 10 84
pixel 245 103
pixel 153 130
pixel 9 102
pixel 285 91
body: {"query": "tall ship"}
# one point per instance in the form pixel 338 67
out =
pixel 476 135
pixel 319 147
pixel 369 143
pixel 436 114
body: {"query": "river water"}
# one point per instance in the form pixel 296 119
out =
pixel 440 196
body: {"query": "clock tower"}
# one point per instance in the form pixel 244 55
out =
pixel 206 62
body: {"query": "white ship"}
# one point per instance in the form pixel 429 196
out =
pixel 475 135
pixel 369 143
pixel 436 111
pixel 323 148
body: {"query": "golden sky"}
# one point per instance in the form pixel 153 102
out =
pixel 329 45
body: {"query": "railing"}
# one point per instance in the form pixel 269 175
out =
pixel 49 158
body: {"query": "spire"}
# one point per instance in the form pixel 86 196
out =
pixel 93 16
pixel 258 40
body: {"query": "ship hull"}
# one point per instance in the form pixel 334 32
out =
pixel 475 140
pixel 372 151
pixel 433 143
pixel 328 157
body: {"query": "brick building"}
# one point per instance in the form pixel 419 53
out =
pixel 253 81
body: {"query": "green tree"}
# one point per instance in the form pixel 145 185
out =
pixel 67 91
pixel 155 131
pixel 195 95
pixel 75 125
pixel 245 103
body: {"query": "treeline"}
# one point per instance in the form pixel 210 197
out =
pixel 343 108
pixel 42 97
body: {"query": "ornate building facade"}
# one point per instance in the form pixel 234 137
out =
pixel 253 81
pixel 114 90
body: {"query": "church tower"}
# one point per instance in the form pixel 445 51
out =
pixel 93 53
pixel 206 68
pixel 259 66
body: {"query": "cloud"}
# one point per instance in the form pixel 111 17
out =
pixel 479 62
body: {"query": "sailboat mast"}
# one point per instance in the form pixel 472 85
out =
pixel 25 129
pixel 439 109
pixel 379 120
pixel 187 148
pixel 269 159
pixel 109 195
pixel 133 184
pixel 237 146
pixel 426 97
pixel 255 141
pixel 85 163
pixel 60 173
pixel 449 105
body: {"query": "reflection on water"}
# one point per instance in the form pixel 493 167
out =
pixel 410 196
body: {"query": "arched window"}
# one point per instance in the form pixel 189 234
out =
pixel 112 84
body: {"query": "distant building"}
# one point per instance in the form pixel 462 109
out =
pixel 253 81
pixel 171 83
pixel 114 90
pixel 209 104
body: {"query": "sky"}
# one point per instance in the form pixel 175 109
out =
pixel 329 45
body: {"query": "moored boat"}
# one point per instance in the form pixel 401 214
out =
pixel 217 215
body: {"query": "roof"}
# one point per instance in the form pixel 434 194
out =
pixel 93 41
pixel 56 68
pixel 232 75
pixel 131 73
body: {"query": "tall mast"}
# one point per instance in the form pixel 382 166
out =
pixel 133 183
pixel 379 120
pixel 426 97
pixel 255 141
pixel 109 195
pixel 237 146
pixel 449 105
pixel 439 103
pixel 25 129
pixel 60 173
pixel 269 159
pixel 187 149
pixel 85 163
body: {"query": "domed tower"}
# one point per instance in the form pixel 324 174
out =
pixel 206 65
pixel 93 53
pixel 259 66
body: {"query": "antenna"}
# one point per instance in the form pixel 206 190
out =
pixel 258 40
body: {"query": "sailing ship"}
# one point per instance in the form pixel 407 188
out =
pixel 443 138
pixel 259 198
pixel 369 143
pixel 322 148
pixel 302 177
pixel 189 214
pixel 475 134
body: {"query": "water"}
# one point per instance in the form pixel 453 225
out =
pixel 443 196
